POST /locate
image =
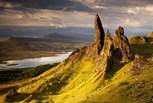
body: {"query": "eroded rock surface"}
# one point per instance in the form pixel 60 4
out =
pixel 137 65
pixel 99 34
pixel 122 44
pixel 106 54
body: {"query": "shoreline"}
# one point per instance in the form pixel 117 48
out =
pixel 33 62
pixel 33 55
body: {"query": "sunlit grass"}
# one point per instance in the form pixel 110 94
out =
pixel 77 82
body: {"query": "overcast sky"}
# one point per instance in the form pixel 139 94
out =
pixel 134 15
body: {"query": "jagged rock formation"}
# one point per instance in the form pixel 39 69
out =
pixel 105 58
pixel 99 34
pixel 122 44
pixel 94 50
pixel 104 48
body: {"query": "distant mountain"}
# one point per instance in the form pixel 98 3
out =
pixel 25 47
pixel 76 34
pixel 67 33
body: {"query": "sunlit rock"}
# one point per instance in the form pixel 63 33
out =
pixel 122 44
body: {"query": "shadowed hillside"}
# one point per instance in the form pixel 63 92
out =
pixel 107 71
pixel 21 47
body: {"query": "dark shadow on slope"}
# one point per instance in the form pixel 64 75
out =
pixel 111 72
pixel 16 98
pixel 115 64
pixel 24 73
pixel 146 50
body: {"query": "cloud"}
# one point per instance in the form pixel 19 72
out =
pixel 67 5
pixel 131 23
pixel 137 10
pixel 119 3
pixel 47 18
pixel 98 7
pixel 79 13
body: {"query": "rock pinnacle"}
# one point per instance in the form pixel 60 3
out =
pixel 99 34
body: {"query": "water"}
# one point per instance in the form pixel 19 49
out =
pixel 33 62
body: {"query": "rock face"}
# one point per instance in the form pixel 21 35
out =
pixel 99 34
pixel 122 44
pixel 106 54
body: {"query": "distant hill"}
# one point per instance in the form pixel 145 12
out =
pixel 67 33
pixel 21 47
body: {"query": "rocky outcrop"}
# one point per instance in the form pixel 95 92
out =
pixel 137 65
pixel 121 43
pixel 99 35
pixel 104 51
pixel 106 54
pixel 151 34
pixel 141 39
pixel 138 40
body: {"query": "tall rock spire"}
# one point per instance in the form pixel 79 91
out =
pixel 121 42
pixel 99 34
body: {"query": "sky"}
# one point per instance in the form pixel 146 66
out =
pixel 135 15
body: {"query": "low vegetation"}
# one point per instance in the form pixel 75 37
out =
pixel 23 73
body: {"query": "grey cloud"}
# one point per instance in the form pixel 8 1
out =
pixel 113 13
pixel 121 3
pixel 67 5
